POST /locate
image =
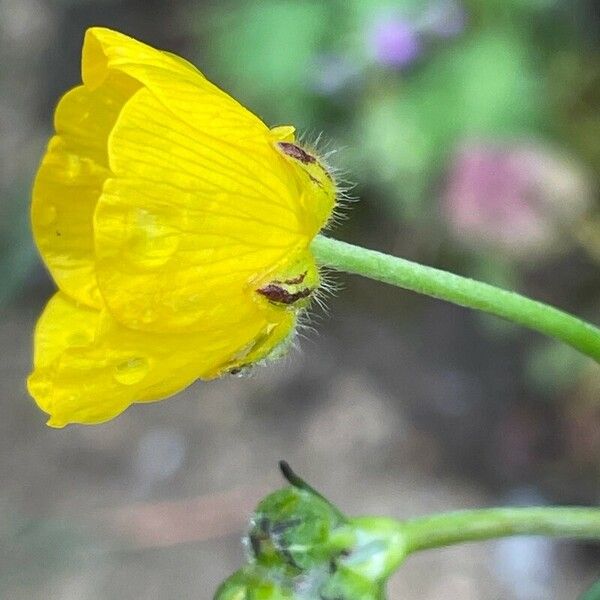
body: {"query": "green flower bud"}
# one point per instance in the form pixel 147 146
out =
pixel 301 547
pixel 255 582
pixel 251 583
pixel 296 527
pixel 380 546
pixel 349 586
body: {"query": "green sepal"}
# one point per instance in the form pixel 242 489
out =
pixel 297 528
pixel 301 547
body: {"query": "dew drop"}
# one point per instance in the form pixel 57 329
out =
pixel 132 370
pixel 153 239
pixel 242 371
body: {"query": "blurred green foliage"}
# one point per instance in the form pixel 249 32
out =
pixel 492 74
pixel 593 593
pixel 252 45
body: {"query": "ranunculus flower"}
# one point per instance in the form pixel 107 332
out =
pixel 176 225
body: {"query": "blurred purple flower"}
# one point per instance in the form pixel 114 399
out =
pixel 395 42
pixel 516 198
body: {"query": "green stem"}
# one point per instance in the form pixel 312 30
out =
pixel 593 593
pixel 472 525
pixel 459 290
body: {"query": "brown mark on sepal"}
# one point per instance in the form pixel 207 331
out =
pixel 293 281
pixel 279 295
pixel 296 152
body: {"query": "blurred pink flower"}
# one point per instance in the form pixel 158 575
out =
pixel 519 198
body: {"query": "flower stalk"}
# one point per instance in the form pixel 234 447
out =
pixel 302 546
pixel 463 291
pixel 446 529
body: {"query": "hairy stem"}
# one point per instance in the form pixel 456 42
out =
pixel 459 290
pixel 472 525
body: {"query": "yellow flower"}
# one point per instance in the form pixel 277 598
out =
pixel 176 225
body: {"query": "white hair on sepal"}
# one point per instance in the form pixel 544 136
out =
pixel 329 286
pixel 330 283
pixel 306 328
pixel 306 332
pixel 323 149
pixel 344 203
pixel 285 359
pixel 303 334
pixel 309 319
pixel 281 354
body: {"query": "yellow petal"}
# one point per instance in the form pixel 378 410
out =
pixel 105 49
pixel 189 221
pixel 319 190
pixel 62 325
pixel 88 368
pixel 209 112
pixel 284 133
pixel 177 83
pixel 68 185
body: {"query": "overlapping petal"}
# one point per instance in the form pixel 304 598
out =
pixel 177 83
pixel 184 226
pixel 69 183
pixel 89 368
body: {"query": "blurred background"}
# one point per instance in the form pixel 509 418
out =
pixel 470 129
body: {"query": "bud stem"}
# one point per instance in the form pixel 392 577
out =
pixel 460 290
pixel 474 525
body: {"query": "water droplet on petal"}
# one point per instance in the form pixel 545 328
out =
pixel 153 239
pixel 132 370
pixel 240 372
